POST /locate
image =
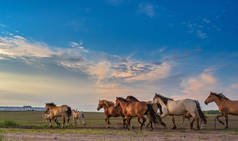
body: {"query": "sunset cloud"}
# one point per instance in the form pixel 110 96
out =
pixel 198 87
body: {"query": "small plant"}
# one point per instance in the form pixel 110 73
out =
pixel 9 123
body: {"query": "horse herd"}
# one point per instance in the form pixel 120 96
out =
pixel 154 110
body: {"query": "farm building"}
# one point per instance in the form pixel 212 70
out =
pixel 24 108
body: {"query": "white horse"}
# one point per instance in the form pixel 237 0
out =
pixel 179 108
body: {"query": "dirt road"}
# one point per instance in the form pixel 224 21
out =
pixel 171 135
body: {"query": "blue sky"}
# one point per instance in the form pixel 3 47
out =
pixel 78 51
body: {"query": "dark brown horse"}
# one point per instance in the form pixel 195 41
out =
pixel 110 110
pixel 58 111
pixel 135 109
pixel 225 106
pixel 155 108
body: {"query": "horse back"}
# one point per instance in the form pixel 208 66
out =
pixel 137 108
pixel 230 107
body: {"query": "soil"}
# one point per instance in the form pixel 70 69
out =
pixel 166 135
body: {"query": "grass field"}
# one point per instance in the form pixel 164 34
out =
pixel 31 123
pixel 32 119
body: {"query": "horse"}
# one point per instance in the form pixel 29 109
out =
pixel 49 117
pixel 77 116
pixel 135 109
pixel 180 107
pixel 59 111
pixel 154 106
pixel 225 105
pixel 110 111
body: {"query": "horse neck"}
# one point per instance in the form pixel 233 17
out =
pixel 220 102
pixel 123 104
pixel 105 107
pixel 161 102
pixel 51 107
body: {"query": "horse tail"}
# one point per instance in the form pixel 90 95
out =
pixel 151 112
pixel 200 113
pixel 69 111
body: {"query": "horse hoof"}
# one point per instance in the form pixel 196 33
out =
pixel 174 127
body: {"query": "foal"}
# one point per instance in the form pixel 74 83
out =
pixel 77 116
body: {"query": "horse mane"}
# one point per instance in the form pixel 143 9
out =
pixel 50 104
pixel 220 96
pixel 123 99
pixel 163 98
pixel 110 103
pixel 132 98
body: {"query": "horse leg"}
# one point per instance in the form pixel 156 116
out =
pixel 218 116
pixel 226 118
pixel 174 122
pixel 149 124
pixel 128 123
pixel 191 123
pixel 56 121
pixel 75 122
pixel 143 122
pixel 63 118
pixel 198 125
pixel 107 121
pixel 139 120
pixel 124 122
pixel 161 122
pixel 183 118
pixel 50 123
pixel 68 120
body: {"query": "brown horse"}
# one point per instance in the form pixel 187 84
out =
pixel 110 110
pixel 225 106
pixel 155 108
pixel 135 109
pixel 58 111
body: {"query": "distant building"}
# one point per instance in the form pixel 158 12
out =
pixel 27 108
pixel 24 108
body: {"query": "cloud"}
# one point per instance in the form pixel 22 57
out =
pixel 78 45
pixel 198 87
pixel 201 34
pixel 147 9
pixel 19 47
pixel 96 73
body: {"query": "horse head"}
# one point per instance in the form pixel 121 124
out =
pixel 100 105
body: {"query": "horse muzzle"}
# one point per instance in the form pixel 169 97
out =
pixel 206 102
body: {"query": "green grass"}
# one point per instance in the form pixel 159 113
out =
pixel 32 119
pixel 9 123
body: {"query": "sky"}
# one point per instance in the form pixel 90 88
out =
pixel 77 52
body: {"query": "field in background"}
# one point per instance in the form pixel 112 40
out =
pixel 32 119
